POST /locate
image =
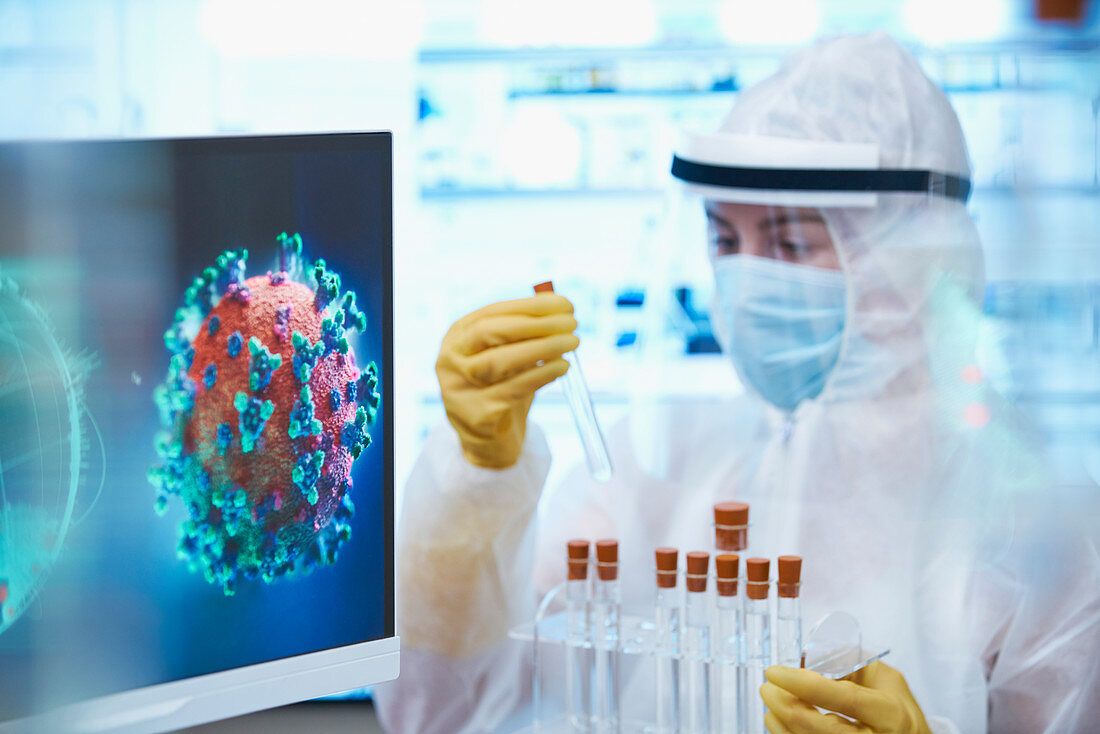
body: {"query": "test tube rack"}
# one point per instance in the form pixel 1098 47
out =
pixel 835 656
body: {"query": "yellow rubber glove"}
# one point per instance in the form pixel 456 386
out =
pixel 874 699
pixel 491 363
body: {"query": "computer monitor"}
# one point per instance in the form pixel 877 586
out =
pixel 196 411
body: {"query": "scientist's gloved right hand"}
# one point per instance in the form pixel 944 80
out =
pixel 491 363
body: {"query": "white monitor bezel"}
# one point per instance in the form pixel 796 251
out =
pixel 228 693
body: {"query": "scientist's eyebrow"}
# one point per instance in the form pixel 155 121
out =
pixel 779 220
pixel 717 219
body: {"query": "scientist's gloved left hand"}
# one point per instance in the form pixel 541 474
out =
pixel 875 699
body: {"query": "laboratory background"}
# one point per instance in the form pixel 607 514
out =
pixel 532 142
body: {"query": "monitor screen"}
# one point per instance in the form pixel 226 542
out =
pixel 195 409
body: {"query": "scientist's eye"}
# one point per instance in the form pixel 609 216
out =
pixel 725 246
pixel 792 250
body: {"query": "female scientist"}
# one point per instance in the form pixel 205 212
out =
pixel 848 282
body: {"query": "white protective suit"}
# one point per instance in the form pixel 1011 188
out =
pixel 912 492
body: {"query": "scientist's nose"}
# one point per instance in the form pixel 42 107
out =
pixel 751 243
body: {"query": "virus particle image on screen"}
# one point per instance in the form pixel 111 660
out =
pixel 45 432
pixel 264 411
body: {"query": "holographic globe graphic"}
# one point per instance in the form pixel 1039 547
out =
pixel 44 434
pixel 264 411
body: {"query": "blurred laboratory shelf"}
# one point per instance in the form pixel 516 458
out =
pixel 343 717
pixel 1054 43
pixel 45 56
pixel 470 192
pixel 600 93
pixel 442 192
pixel 699 52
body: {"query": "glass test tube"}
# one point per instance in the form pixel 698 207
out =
pixel 731 535
pixel 758 634
pixel 695 666
pixel 788 614
pixel 667 626
pixel 731 527
pixel 584 415
pixel 606 640
pixel 729 647
pixel 578 671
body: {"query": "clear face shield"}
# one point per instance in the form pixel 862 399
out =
pixel 795 257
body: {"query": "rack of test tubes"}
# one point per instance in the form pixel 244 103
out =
pixel 691 661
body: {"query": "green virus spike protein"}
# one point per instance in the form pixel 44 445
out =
pixel 263 411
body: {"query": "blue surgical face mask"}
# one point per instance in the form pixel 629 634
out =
pixel 781 324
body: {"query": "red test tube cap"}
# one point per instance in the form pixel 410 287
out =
pixel 578 559
pixel 757 570
pixel 731 526
pixel 667 559
pixel 547 287
pixel 607 559
pixel 790 574
pixel 697 564
pixel 725 568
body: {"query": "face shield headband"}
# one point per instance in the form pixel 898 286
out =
pixel 787 172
